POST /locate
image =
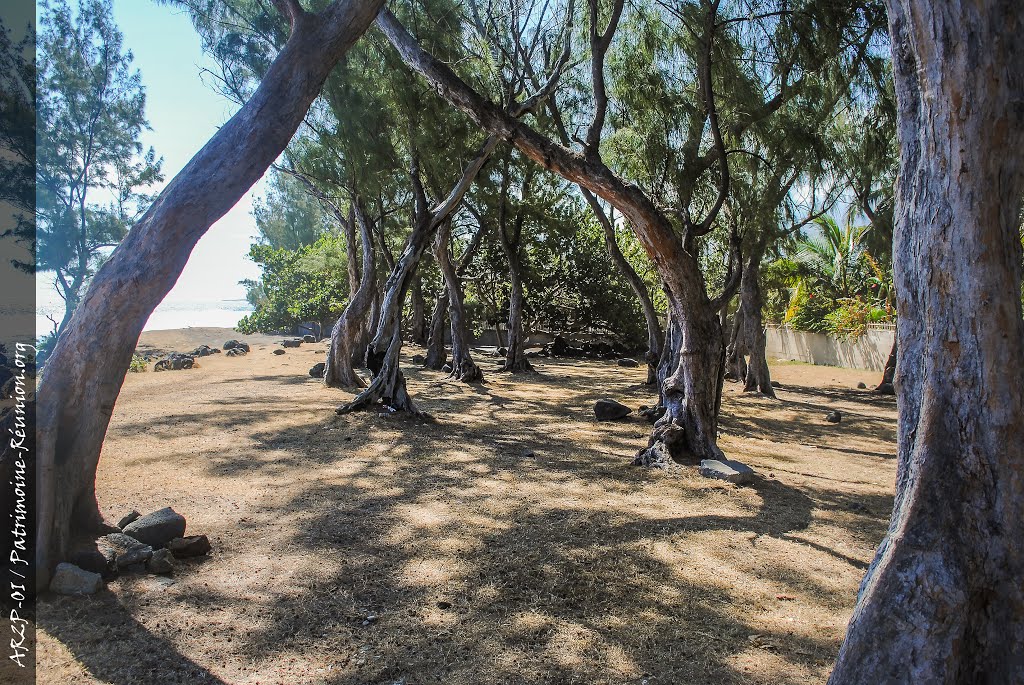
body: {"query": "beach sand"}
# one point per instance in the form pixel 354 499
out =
pixel 506 541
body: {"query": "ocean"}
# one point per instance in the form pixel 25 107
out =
pixel 169 315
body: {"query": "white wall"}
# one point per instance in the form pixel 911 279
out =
pixel 870 351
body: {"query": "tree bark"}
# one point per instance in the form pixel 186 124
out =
pixel 511 239
pixel 887 387
pixel 418 318
pixel 383 354
pixel 437 355
pixel 751 337
pixel 463 367
pixel 943 600
pixel 692 393
pixel 343 355
pixel 88 365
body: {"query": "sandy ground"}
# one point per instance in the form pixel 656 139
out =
pixel 508 541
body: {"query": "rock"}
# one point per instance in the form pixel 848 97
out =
pixel 278 351
pixel 727 469
pixel 68 579
pixel 447 368
pixel 128 518
pixel 309 338
pixel 610 410
pixel 294 342
pixel 885 389
pixel 192 546
pixel 204 351
pixel 235 352
pixel 834 416
pixel 418 359
pixel 652 414
pixel 95 558
pixel 629 363
pixel 501 351
pixel 160 562
pixel 157 528
pixel 862 386
pixel 125 549
pixel 317 370
pixel 175 362
pixel 236 345
pixel 776 384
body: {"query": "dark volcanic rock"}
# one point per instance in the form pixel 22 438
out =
pixel 175 362
pixel 236 345
pixel 128 518
pixel 834 416
pixel 317 370
pixel 157 528
pixel 278 351
pixel 235 352
pixel 629 363
pixel 309 338
pixel 294 342
pixel 192 546
pixel 610 410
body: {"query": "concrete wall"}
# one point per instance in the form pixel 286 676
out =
pixel 870 351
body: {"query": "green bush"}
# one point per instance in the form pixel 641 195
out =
pixel 139 364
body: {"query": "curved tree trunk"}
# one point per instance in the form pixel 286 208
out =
pixel 654 334
pixel 463 367
pixel 749 317
pixel 887 387
pixel 943 600
pixel 735 351
pixel 88 365
pixel 339 371
pixel 437 355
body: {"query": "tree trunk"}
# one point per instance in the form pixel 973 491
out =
pixel 752 333
pixel 515 358
pixel 736 350
pixel 943 600
pixel 343 356
pixel 654 334
pixel 437 355
pixel 463 367
pixel 88 365
pixel 887 387
pixel 418 319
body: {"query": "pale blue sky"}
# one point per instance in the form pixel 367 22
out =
pixel 183 112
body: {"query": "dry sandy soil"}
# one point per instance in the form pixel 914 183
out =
pixel 507 541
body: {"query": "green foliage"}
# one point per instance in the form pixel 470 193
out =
pixel 289 217
pixel 138 364
pixel 91 169
pixel 18 141
pixel 307 284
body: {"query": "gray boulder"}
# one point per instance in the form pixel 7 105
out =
pixel 192 546
pixel 125 550
pixel 157 528
pixel 235 352
pixel 160 562
pixel 68 579
pixel 610 410
pixel 236 345
pixel 294 342
pixel 727 469
pixel 309 338
pixel 95 558
pixel 317 370
pixel 629 363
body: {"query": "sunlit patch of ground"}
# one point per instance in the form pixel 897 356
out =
pixel 508 541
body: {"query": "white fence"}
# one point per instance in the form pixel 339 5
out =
pixel 870 351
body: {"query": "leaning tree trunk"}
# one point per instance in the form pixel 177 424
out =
pixel 654 334
pixel 887 387
pixel 749 317
pixel 340 372
pixel 88 365
pixel 736 350
pixel 463 367
pixel 437 355
pixel 943 600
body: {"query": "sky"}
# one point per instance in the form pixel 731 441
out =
pixel 183 112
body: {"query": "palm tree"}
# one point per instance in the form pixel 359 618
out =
pixel 834 260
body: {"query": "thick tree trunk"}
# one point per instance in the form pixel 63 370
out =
pixel 943 600
pixel 515 358
pixel 654 334
pixel 887 386
pixel 418 318
pixel 437 355
pixel 88 365
pixel 463 367
pixel 342 357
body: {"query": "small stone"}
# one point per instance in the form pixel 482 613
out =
pixel 68 579
pixel 629 363
pixel 236 345
pixel 309 338
pixel 158 528
pixel 279 351
pixel 444 605
pixel 97 558
pixel 862 386
pixel 418 359
pixel 776 384
pixel 294 342
pixel 235 352
pixel 447 368
pixel 192 546
pixel 610 410
pixel 834 416
pixel 317 370
pixel 727 469
pixel 160 562
pixel 128 518
pixel 125 549
pixel 501 351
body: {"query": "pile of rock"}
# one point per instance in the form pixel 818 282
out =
pixel 236 348
pixel 204 351
pixel 591 349
pixel 145 544
pixel 175 361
